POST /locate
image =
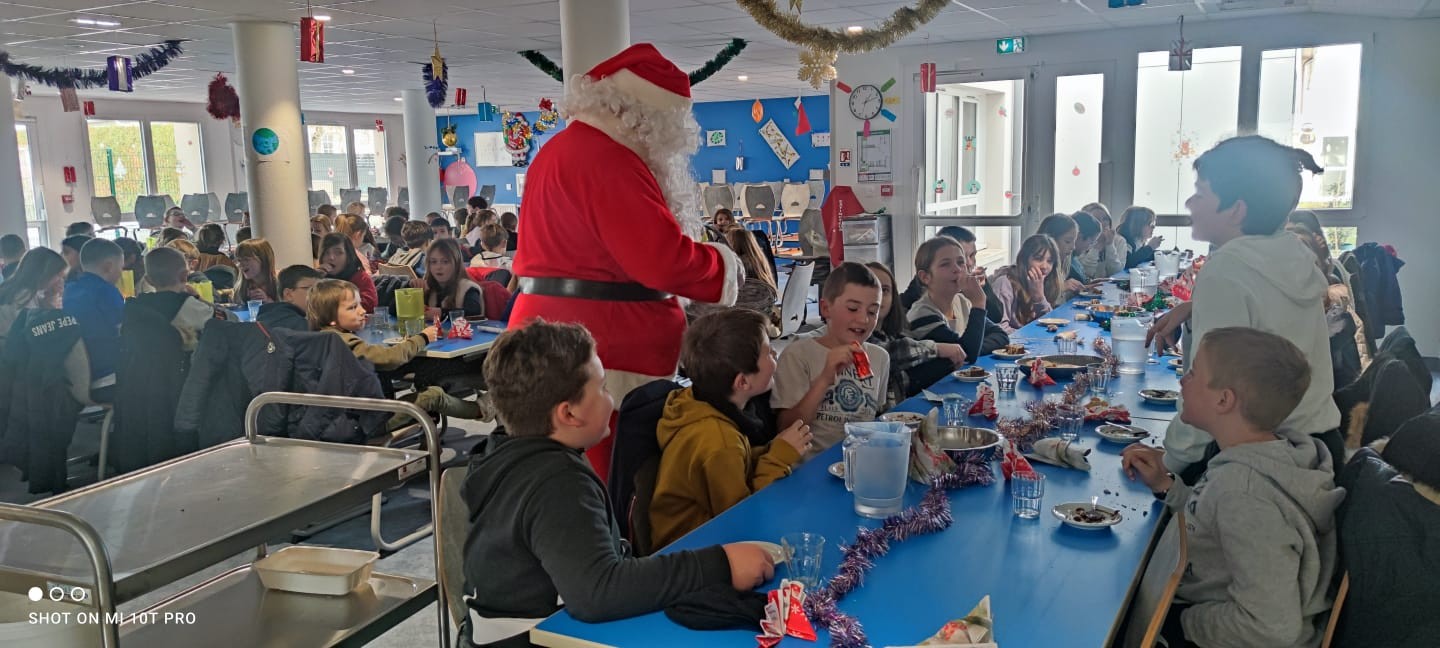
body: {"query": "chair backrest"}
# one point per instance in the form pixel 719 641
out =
pixel 454 526
pixel 150 210
pixel 794 199
pixel 404 198
pixel 459 195
pixel 488 193
pixel 811 232
pixel 348 196
pixel 717 197
pixel 641 530
pixel 377 198
pixel 817 193
pixel 317 198
pixel 794 303
pixel 496 296
pixel 217 211
pixel 236 204
pixel 759 202
pixel 635 444
pixel 105 211
pixel 222 277
pixel 1157 585
pixel 197 207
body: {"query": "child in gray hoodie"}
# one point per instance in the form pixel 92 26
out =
pixel 1261 521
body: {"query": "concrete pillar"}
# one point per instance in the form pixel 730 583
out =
pixel 12 199
pixel 592 31
pixel 275 159
pixel 422 166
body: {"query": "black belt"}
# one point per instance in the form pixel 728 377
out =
pixel 585 289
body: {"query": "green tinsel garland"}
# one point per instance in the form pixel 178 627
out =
pixel 721 59
pixel 788 26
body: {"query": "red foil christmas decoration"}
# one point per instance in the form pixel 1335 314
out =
pixel 312 40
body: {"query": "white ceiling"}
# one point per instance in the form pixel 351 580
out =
pixel 385 41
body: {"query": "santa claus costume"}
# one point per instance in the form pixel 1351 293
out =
pixel 609 219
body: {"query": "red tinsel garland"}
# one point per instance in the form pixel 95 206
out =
pixel 224 102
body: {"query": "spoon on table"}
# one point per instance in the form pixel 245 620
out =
pixel 1094 502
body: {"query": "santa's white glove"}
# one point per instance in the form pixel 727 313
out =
pixel 734 269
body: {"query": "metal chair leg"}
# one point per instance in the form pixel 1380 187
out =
pixel 105 442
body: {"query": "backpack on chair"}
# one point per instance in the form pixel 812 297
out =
pixel 635 460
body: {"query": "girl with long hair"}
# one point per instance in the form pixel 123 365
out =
pixel 1137 228
pixel 38 282
pixel 257 271
pixel 1021 288
pixel 952 307
pixel 1066 234
pixel 338 260
pixel 354 228
pixel 447 286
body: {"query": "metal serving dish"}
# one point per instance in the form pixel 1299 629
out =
pixel 1075 364
pixel 957 442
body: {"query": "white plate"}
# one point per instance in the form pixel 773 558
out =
pixel 1154 396
pixel 1175 363
pixel 837 469
pixel 1008 356
pixel 936 397
pixel 1116 433
pixel 960 376
pixel 1064 511
pixel 777 553
pixel 1052 321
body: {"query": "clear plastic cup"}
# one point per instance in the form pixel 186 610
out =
pixel 1099 375
pixel 1069 418
pixel 1027 489
pixel 804 553
pixel 1006 376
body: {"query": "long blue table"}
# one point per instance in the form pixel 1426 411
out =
pixel 1050 585
pixel 443 348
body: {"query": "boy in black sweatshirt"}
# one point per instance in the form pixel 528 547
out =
pixel 542 532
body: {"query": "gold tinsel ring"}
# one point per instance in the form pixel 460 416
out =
pixel 900 24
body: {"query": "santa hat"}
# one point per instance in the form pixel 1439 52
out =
pixel 642 72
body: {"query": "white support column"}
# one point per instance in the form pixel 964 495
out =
pixel 592 31
pixel 422 165
pixel 275 160
pixel 12 200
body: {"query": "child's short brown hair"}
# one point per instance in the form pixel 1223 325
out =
pixel 534 369
pixel 720 346
pixel 166 267
pixel 1268 373
pixel 848 273
pixel 493 236
pixel 416 234
pixel 325 299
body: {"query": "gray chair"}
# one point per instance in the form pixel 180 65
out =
pixel 488 193
pixel 717 197
pixel 150 210
pixel 105 211
pixel 197 207
pixel 811 234
pixel 404 199
pixel 378 199
pixel 458 196
pixel 236 204
pixel 348 196
pixel 217 210
pixel 795 303
pixel 817 193
pixel 318 198
pixel 760 209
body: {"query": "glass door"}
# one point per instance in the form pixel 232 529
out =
pixel 30 185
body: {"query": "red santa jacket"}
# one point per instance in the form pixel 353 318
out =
pixel 594 211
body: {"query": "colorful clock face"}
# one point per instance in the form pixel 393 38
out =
pixel 866 101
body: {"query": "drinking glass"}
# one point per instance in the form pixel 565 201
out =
pixel 803 553
pixel 1099 377
pixel 1067 345
pixel 1110 293
pixel 1026 491
pixel 1069 418
pixel 1006 376
pixel 955 410
pixel 254 307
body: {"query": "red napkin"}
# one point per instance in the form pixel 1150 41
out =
pixel 984 403
pixel 461 329
pixel 862 361
pixel 1100 410
pixel 1014 462
pixel 1038 377
pixel 785 615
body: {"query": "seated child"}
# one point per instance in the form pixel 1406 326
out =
pixel 707 464
pixel 511 223
pixel 167 271
pixel 296 282
pixel 12 247
pixel 70 249
pixel 339 260
pixel 447 286
pixel 541 528
pixel 914 364
pixel 952 307
pixel 817 379
pixel 1388 526
pixel 493 239
pixel 1107 256
pixel 256 260
pixel 416 236
pixel 99 309
pixel 1261 520
pixel 335 306
pixel 1021 288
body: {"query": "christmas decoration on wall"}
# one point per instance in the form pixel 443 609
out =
pixel 816 67
pixel 549 118
pixel 448 136
pixel 434 74
pixel 118 74
pixel 312 40
pixel 224 102
pixel 539 60
pixel 826 43
pixel 379 125
pixel 802 121
pixel 779 144
pixel 142 66
pixel 485 110
pixel 517 138
pixel 757 111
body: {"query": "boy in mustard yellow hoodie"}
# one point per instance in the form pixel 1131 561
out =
pixel 707 463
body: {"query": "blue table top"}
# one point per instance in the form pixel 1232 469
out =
pixel 443 348
pixel 1049 584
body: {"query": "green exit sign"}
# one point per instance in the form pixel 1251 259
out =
pixel 1012 45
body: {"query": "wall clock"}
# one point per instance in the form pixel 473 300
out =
pixel 867 101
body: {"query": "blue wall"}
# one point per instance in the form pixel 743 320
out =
pixel 742 137
pixel 742 134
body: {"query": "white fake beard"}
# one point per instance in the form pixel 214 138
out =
pixel 665 138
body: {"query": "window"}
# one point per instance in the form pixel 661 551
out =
pixel 117 160
pixel 1178 116
pixel 993 245
pixel 974 149
pixel 1079 116
pixel 371 167
pixel 329 159
pixel 1310 99
pixel 30 187
pixel 179 163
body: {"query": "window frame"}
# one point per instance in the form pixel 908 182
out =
pixel 37 179
pixel 350 163
pixel 147 148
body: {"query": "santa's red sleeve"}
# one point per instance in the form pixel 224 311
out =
pixel 646 241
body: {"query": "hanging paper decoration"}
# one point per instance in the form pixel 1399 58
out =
pixel 379 125
pixel 461 96
pixel 144 65
pixel 118 74
pixel 69 101
pixel 817 67
pixel 802 123
pixel 539 60
pixel 88 108
pixel 434 74
pixel 224 102
pixel 517 138
pixel 548 118
pixel 927 78
pixel 312 40
pixel 757 111
pixel 485 110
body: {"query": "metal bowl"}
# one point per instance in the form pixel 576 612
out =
pixel 1079 363
pixel 957 442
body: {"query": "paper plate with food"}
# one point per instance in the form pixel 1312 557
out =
pixel 1116 433
pixel 971 374
pixel 1010 351
pixel 1087 516
pixel 1160 396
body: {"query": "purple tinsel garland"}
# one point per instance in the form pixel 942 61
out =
pixel 931 515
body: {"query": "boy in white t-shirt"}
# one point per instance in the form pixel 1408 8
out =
pixel 824 380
